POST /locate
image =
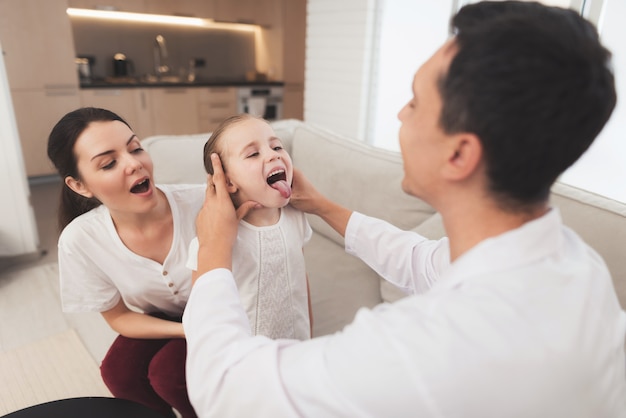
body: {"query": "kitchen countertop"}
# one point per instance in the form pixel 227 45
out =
pixel 131 82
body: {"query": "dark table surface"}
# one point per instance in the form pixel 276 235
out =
pixel 87 407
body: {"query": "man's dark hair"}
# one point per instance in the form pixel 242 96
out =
pixel 535 85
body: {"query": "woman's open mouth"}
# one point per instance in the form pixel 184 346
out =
pixel 141 187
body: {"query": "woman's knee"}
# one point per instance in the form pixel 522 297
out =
pixel 127 362
pixel 167 368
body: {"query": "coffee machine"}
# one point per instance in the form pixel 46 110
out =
pixel 122 66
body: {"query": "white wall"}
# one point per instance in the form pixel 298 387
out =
pixel 410 32
pixel 18 230
pixel 337 67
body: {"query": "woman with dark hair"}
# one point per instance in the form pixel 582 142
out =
pixel 122 252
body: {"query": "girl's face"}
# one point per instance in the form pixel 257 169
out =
pixel 113 168
pixel 256 165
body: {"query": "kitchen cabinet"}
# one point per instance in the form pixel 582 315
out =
pixel 143 126
pixel 120 101
pixel 166 110
pixel 294 45
pixel 36 113
pixel 214 105
pixel 260 12
pixel 149 111
pixel 174 110
pixel 293 101
pixel 38 49
pixel 194 8
pixel 135 6
pixel 37 40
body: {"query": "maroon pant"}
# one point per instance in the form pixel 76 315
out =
pixel 150 372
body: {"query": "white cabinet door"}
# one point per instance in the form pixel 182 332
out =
pixel 37 111
pixel 214 105
pixel 193 8
pixel 135 6
pixel 119 101
pixel 260 12
pixel 37 41
pixel 174 110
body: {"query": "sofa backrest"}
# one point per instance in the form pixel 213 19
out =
pixel 601 223
pixel 356 175
pixel 179 158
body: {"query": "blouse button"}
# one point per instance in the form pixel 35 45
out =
pixel 165 272
pixel 170 284
pixel 176 292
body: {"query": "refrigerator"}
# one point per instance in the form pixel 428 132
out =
pixel 18 228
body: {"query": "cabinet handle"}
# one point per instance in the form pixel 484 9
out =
pixel 60 86
pixel 59 92
pixel 108 92
pixel 222 105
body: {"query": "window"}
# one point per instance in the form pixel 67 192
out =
pixel 409 31
pixel 602 169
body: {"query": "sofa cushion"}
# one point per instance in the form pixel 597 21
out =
pixel 601 223
pixel 340 284
pixel 177 158
pixel 357 176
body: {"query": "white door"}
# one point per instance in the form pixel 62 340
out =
pixel 18 230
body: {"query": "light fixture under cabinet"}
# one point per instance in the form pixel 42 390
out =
pixel 155 18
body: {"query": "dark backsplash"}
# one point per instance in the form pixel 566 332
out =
pixel 228 54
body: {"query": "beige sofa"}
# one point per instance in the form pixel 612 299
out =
pixel 368 179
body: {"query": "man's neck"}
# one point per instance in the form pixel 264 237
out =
pixel 467 225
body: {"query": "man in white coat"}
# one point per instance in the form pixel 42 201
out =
pixel 511 315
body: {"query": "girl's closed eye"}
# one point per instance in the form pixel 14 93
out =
pixel 252 154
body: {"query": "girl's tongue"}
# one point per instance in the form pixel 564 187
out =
pixel 283 188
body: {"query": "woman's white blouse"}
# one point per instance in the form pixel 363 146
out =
pixel 97 269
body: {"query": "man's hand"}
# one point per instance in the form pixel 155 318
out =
pixel 217 222
pixel 305 197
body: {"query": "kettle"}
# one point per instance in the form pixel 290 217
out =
pixel 84 68
pixel 122 67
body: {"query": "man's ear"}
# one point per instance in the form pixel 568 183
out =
pixel 464 156
pixel 78 187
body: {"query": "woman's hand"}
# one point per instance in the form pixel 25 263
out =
pixel 217 222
